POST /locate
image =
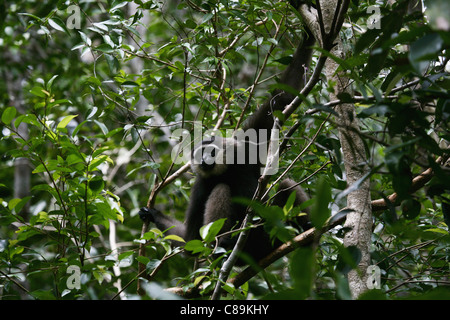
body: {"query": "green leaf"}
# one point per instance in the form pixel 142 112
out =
pixel 207 17
pixel 320 210
pixel 391 81
pixel 94 81
pixel 102 127
pixel 424 49
pixel 210 231
pixel 26 232
pixel 130 84
pixel 228 287
pixel 39 92
pixel 50 165
pixel 27 118
pixel 410 208
pixel 65 121
pixel 99 160
pixel 43 295
pixel 380 110
pixel 96 184
pixel 20 204
pixel 118 6
pixel 8 115
pixel 301 269
pixel 153 264
pixel 373 295
pixel 143 260
pixel 13 202
pixel 195 246
pixel 32 16
pixel 366 40
pixel 289 203
pixel 349 258
pixel 74 158
pixel 274 219
pixel 398 164
pixel 57 24
pixel 113 63
pixel 437 230
pixel 174 238
pixel 50 82
pixel 124 255
pixel 106 48
pixel 342 288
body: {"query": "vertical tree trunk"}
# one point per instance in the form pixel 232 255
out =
pixel 360 219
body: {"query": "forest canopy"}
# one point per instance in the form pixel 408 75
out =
pixel 92 96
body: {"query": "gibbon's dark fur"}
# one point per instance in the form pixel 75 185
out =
pixel 217 184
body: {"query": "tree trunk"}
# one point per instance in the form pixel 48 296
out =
pixel 359 221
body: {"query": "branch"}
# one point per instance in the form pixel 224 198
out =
pixel 296 159
pixel 307 238
pixel 230 262
pixel 256 81
pixel 417 183
pixel 360 219
pixel 15 282
pixel 226 268
pixel 287 112
pixel 238 247
pixel 239 36
pixel 303 239
pixel 242 239
pixel 299 183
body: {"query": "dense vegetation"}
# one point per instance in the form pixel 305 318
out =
pixel 93 90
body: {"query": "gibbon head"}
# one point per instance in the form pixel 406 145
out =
pixel 213 156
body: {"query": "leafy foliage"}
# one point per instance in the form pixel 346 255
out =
pixel 91 110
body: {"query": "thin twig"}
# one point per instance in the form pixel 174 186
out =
pixel 296 158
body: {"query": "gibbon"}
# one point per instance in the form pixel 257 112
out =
pixel 219 182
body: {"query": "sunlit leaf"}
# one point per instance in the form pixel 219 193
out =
pixel 65 121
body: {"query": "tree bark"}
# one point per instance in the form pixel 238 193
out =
pixel 359 221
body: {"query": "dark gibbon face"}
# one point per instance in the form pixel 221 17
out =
pixel 213 156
